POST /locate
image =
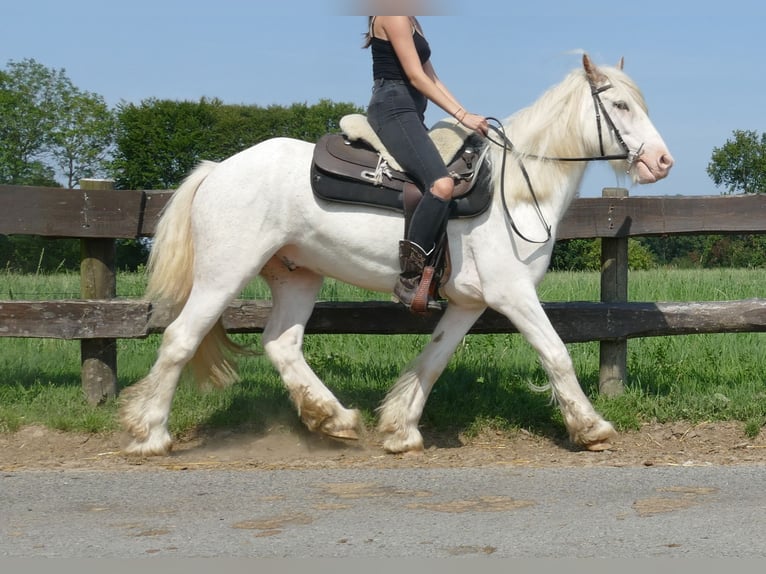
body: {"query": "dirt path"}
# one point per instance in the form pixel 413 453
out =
pixel 283 447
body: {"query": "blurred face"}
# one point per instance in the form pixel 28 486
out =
pixel 395 7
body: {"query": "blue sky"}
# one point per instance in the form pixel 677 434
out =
pixel 700 66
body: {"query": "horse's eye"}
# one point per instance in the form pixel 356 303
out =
pixel 621 106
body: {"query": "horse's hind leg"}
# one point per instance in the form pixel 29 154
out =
pixel 146 405
pixel 293 295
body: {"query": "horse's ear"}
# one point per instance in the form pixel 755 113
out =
pixel 621 63
pixel 594 74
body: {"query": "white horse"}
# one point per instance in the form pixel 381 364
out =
pixel 255 213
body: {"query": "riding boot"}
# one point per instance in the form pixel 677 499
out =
pixel 428 220
pixel 410 290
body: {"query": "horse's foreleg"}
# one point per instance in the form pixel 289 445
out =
pixel 400 412
pixel 585 426
pixel 293 295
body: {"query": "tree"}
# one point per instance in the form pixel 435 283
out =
pixel 685 251
pixel 585 255
pixel 82 137
pixel 47 126
pixel 48 123
pixel 740 164
pixel 160 141
pixel 27 115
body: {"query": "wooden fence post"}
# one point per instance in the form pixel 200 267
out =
pixel 98 357
pixel 613 355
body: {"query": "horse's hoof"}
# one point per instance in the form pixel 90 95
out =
pixel 343 434
pixel 597 437
pixel 141 449
pixel 411 442
pixel 598 446
pixel 155 443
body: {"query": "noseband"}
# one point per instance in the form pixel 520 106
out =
pixel 507 145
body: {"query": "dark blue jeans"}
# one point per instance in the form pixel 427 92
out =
pixel 397 114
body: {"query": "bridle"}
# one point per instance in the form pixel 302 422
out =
pixel 507 145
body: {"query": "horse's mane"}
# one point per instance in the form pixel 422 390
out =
pixel 552 127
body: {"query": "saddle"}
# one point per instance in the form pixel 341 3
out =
pixel 354 167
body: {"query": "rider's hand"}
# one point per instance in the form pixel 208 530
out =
pixel 476 123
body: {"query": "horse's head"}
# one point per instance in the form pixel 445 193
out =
pixel 622 127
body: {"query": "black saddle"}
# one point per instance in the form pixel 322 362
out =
pixel 353 172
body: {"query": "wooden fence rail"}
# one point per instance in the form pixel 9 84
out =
pixel 575 322
pixel 127 214
pixel 98 215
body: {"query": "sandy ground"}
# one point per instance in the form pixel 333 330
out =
pixel 284 446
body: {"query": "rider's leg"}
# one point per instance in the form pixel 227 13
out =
pixel 429 216
pixel 396 113
pixel 426 224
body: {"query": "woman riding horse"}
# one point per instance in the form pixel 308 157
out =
pixel 404 82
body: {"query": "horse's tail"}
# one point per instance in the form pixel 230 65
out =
pixel 171 276
pixel 171 260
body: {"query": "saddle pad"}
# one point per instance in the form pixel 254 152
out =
pixel 448 137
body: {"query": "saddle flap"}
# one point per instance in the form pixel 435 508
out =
pixel 336 155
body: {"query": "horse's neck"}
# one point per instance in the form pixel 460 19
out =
pixel 552 184
pixel 539 132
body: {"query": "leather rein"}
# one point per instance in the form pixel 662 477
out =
pixel 507 145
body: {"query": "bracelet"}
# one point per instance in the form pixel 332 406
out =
pixel 457 112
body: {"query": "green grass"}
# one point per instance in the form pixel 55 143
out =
pixel 487 383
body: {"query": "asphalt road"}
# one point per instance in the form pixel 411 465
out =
pixel 493 512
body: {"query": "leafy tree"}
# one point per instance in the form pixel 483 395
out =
pixel 132 254
pixel 677 250
pixel 639 255
pixel 46 124
pixel 735 251
pixel 740 164
pixel 708 251
pixel 585 255
pixel 28 100
pixel 35 173
pixel 44 118
pixel 576 255
pixel 83 136
pixel 160 141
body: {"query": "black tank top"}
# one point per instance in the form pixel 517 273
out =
pixel 385 64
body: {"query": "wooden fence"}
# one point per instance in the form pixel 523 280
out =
pixel 98 215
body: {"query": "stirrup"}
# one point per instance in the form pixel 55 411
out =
pixel 422 301
pixel 414 292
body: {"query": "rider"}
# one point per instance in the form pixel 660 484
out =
pixel 404 81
